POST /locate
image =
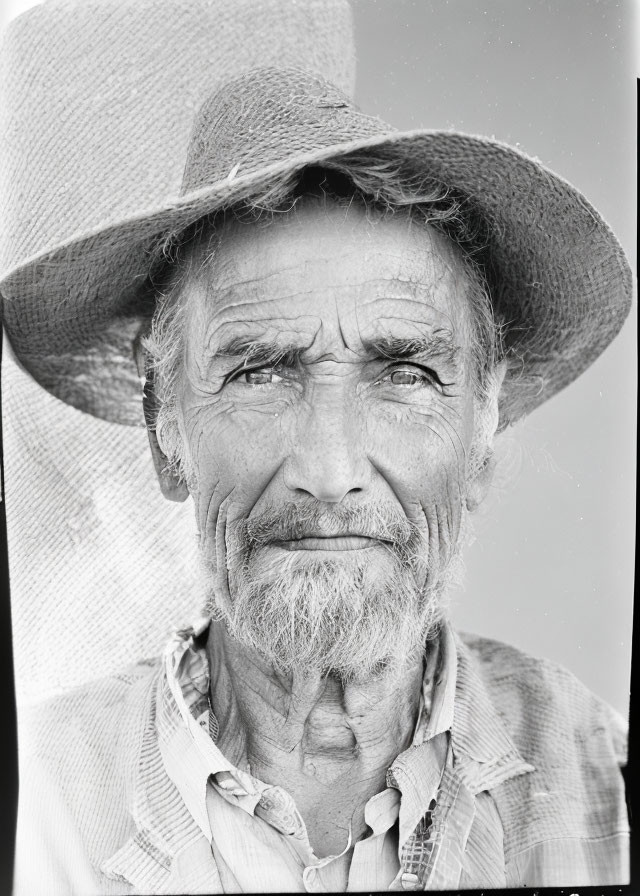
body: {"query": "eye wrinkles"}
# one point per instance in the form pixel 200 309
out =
pixel 409 361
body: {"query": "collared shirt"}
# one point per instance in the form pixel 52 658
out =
pixel 529 793
pixel 258 838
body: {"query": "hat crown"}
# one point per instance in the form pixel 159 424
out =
pixel 260 118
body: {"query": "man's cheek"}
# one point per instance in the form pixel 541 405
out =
pixel 424 460
pixel 236 456
pixel 449 507
pixel 425 468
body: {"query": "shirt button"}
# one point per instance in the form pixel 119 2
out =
pixel 410 881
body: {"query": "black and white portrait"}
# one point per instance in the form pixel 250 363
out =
pixel 319 442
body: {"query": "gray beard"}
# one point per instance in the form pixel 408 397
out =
pixel 356 616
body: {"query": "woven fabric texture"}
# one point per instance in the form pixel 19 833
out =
pixel 558 276
pixel 102 567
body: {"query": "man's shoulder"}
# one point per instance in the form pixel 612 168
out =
pixel 78 762
pixel 543 704
pixel 91 732
pixel 565 819
pixel 87 711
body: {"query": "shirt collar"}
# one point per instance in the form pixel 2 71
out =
pixel 439 685
pixel 483 751
pixel 191 756
pixel 454 701
pixel 456 707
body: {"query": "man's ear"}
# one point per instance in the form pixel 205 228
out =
pixel 478 486
pixel 482 477
pixel 171 486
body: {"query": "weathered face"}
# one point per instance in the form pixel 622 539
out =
pixel 326 408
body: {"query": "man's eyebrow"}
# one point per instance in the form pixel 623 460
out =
pixel 439 344
pixel 256 351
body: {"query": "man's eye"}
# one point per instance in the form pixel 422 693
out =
pixel 410 377
pixel 259 377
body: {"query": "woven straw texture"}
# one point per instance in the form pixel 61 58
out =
pixel 559 277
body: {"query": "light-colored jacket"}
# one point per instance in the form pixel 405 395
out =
pixel 534 796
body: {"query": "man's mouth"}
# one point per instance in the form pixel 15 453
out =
pixel 329 543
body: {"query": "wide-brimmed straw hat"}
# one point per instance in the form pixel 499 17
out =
pixel 558 277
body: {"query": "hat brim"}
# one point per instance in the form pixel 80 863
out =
pixel 560 280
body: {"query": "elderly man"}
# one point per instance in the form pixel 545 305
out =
pixel 342 318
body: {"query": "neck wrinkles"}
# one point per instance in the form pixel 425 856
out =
pixel 271 724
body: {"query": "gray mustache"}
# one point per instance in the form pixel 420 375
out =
pixel 295 520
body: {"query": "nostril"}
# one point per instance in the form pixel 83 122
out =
pixel 322 488
pixel 327 463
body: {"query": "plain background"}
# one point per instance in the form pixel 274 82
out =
pixel 551 570
pixel 552 567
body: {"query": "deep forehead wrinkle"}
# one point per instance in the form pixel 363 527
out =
pixel 213 318
pixel 250 297
pixel 223 266
pixel 405 316
pixel 431 329
pixel 304 327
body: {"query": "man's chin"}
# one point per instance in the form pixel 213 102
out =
pixel 356 614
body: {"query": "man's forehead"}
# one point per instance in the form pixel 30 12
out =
pixel 336 234
pixel 373 276
pixel 363 313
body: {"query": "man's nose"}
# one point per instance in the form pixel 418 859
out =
pixel 328 459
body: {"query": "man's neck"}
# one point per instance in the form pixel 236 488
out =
pixel 328 744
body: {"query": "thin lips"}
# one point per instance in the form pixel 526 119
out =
pixel 339 534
